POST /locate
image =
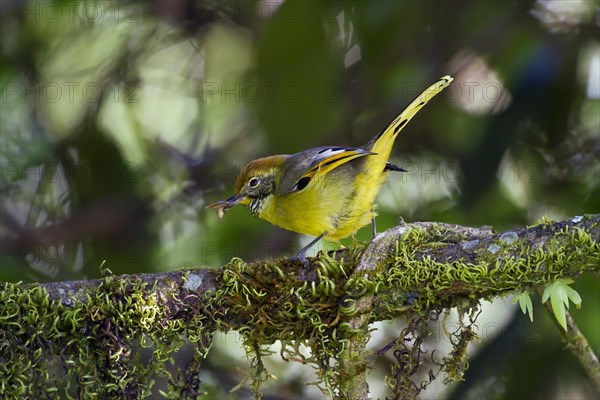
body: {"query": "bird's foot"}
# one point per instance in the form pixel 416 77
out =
pixel 300 257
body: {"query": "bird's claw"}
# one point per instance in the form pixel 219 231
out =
pixel 299 257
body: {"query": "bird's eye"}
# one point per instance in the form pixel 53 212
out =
pixel 253 182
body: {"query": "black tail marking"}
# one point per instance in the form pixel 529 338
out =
pixel 391 167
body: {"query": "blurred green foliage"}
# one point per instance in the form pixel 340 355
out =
pixel 121 120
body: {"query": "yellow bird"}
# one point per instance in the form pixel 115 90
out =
pixel 326 191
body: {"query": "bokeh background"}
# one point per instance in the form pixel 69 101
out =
pixel 120 121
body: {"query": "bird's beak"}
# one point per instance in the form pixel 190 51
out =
pixel 225 205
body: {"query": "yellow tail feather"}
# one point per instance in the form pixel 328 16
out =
pixel 384 141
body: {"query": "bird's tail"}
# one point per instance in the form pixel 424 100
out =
pixel 382 143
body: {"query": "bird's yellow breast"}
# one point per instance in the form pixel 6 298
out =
pixel 338 203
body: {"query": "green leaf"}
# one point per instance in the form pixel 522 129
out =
pixel 560 293
pixel 573 296
pixel 558 308
pixel 525 303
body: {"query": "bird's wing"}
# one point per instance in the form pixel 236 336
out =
pixel 310 164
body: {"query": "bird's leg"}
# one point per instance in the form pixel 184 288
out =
pixel 300 256
pixel 373 224
pixel 373 228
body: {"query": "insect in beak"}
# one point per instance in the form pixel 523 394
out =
pixel 225 205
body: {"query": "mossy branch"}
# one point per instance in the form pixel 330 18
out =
pixel 579 346
pixel 99 327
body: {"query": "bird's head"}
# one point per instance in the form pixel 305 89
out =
pixel 257 181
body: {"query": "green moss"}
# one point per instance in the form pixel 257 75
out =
pixel 305 307
pixel 88 349
pixel 429 283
